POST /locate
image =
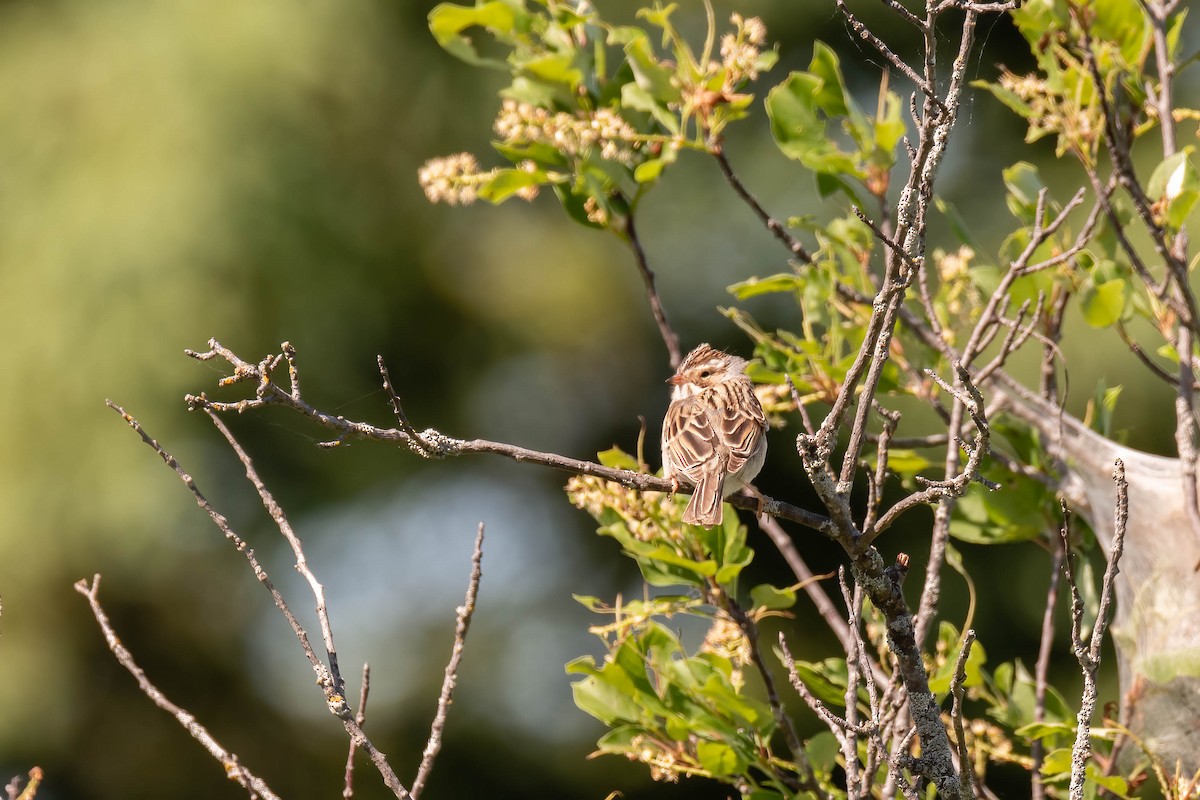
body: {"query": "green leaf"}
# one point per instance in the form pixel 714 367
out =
pixel 889 129
pixel 1023 183
pixel 1174 32
pixel 648 171
pixel 1008 98
pixel 1042 730
pixel 906 463
pixel 792 109
pixel 1103 305
pixel 619 740
pixel 1176 185
pixel 616 458
pixel 1114 784
pixel 1057 762
pixel 447 22
pixel 1123 23
pixel 555 68
pixel 767 596
pixel 507 182
pixel 823 752
pixel 1013 513
pixel 652 75
pixel 590 603
pixel 799 130
pixel 538 152
pixel 638 98
pixel 829 184
pixel 830 94
pixel 752 287
pixel 719 758
pixel 606 694
pixel 951 643
pixel 826 679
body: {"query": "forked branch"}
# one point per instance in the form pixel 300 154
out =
pixel 431 443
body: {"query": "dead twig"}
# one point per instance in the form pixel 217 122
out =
pixel 463 621
pixel 327 679
pixel 255 787
pixel 434 444
pixel 1088 654
pixel 360 718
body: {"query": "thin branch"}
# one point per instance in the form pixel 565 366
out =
pixel 1088 655
pixel 804 779
pixel 954 486
pixel 773 225
pixel 415 442
pixel 462 623
pixel 335 701
pixel 1042 668
pixel 254 786
pixel 894 248
pixel 836 724
pixel 1142 356
pixel 669 337
pixel 360 718
pixel 897 63
pixel 434 444
pixel 806 578
pixel 957 685
pixel 285 527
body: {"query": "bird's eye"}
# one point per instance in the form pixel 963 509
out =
pixel 704 373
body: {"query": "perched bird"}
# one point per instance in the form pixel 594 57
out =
pixel 714 434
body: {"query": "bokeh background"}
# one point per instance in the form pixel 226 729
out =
pixel 171 172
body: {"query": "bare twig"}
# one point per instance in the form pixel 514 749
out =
pixel 285 527
pixel 254 786
pixel 463 622
pixel 434 444
pixel 955 485
pixel 361 719
pixel 1042 667
pixel 773 225
pixel 1088 655
pixel 836 724
pixel 966 772
pixel 804 777
pixel 805 576
pixel 335 701
pixel 894 60
pixel 669 337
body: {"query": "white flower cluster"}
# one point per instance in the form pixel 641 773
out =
pixel 451 179
pixel 571 134
pixel 740 51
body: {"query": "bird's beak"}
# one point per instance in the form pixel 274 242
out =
pixel 675 380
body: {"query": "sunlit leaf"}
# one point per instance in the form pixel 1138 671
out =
pixel 1123 23
pixel 752 287
pixel 507 182
pixel 1103 304
pixel 1057 762
pixel 1175 185
pixel 767 596
pixel 448 21
pixel 1023 183
pixel 718 758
